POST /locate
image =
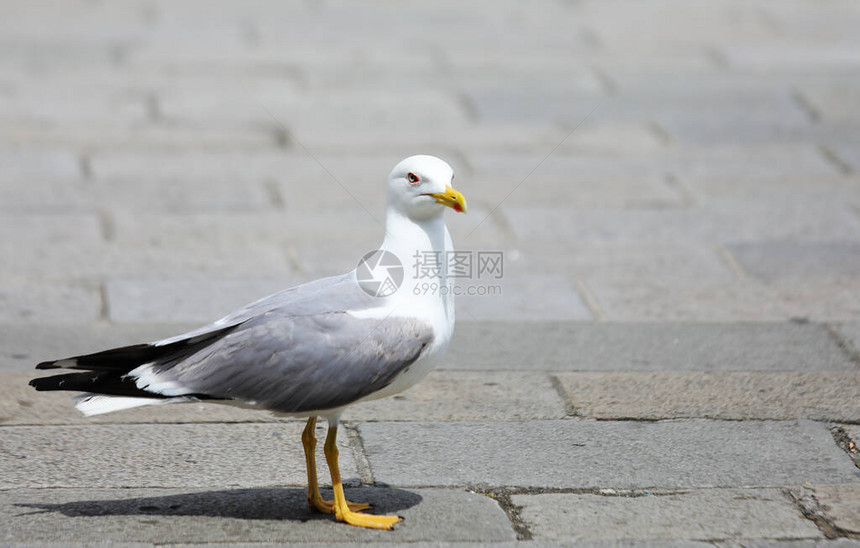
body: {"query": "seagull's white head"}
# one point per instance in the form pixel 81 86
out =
pixel 419 186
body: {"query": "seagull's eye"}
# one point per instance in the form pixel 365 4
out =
pixel 412 178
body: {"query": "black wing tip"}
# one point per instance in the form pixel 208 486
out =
pixel 67 363
pixel 40 384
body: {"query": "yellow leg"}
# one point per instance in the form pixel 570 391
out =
pixel 342 511
pixel 315 500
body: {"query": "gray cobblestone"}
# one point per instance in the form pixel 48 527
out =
pixel 833 99
pixel 45 105
pixel 582 346
pixel 788 260
pixel 18 165
pixel 142 138
pixel 30 303
pixel 259 515
pixel 45 246
pixel 332 110
pixel 703 515
pixel 739 168
pixel 740 301
pixel 605 454
pixel 125 196
pixel 840 505
pixel 164 455
pixel 249 229
pixel 533 298
pixel 183 301
pixel 580 182
pixel 733 396
pixel 847 152
pixel 630 261
pixel 724 222
pixel 850 332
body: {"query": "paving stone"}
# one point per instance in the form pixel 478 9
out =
pixel 612 136
pixel 784 57
pixel 738 167
pixel 674 21
pixel 162 455
pixel 728 222
pixel 312 260
pixel 250 228
pixel 733 396
pixel 516 297
pixel 781 260
pixel 833 98
pixel 43 196
pixel 60 248
pixel 586 181
pixel 237 106
pixel 435 140
pixel 527 75
pixel 703 515
pixel 847 152
pixel 465 395
pixel 197 164
pixel 605 454
pixel 442 396
pixel 144 194
pixel 850 332
pixel 834 543
pixel 184 301
pixel 71 104
pixel 242 515
pixel 705 109
pixel 517 105
pixel 705 127
pixel 583 346
pixel 818 189
pixel 31 303
pixel 738 301
pixel 73 22
pixel 165 261
pixel 625 261
pixel 142 138
pixel 840 505
pixel 30 57
pixel 25 164
pixel 46 245
pixel 247 107
pixel 853 431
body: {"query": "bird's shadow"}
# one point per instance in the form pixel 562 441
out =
pixel 249 504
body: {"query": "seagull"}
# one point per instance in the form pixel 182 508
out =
pixel 310 350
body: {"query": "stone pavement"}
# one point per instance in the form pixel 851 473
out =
pixel 675 352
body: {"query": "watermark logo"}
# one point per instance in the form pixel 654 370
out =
pixel 380 273
pixel 458 264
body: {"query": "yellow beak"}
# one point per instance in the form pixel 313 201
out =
pixel 451 198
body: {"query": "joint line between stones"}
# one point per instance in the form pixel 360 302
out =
pixel 362 463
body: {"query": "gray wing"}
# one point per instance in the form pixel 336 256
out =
pixel 307 354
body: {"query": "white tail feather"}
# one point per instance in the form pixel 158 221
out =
pixel 97 404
